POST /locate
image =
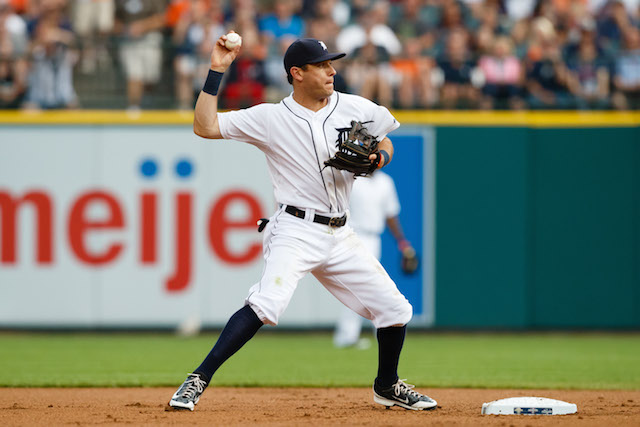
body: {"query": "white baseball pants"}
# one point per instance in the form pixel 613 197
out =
pixel 293 247
pixel 349 324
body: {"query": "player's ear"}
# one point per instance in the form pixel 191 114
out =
pixel 297 73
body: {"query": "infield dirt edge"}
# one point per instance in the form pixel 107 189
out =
pixel 295 406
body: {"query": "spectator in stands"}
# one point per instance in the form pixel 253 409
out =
pixel 547 73
pixel 411 22
pixel 370 27
pixel 278 29
pixel 322 25
pixel 595 6
pixel 503 75
pixel 93 23
pixel 174 11
pixel 634 12
pixel 613 22
pixel 19 6
pixel 244 20
pixel 490 22
pixel 633 9
pixel 582 26
pixel 519 35
pixel 547 9
pixel 457 67
pixel 283 21
pixel 393 45
pixel 369 73
pixel 478 7
pixel 139 24
pixel 447 16
pixel 14 27
pixel 13 66
pixel 588 75
pixel 455 15
pixel 518 10
pixel 246 79
pixel 415 89
pixel 627 73
pixel 52 59
pixel 245 85
pixel 196 31
pixel 408 19
pixel 278 87
pixel 340 10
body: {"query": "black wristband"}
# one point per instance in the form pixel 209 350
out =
pixel 384 154
pixel 212 83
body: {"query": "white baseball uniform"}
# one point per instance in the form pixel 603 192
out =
pixel 373 199
pixel 296 141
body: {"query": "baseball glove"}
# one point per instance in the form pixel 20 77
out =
pixel 409 261
pixel 355 145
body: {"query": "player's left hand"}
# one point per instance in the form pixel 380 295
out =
pixel 375 161
pixel 410 261
pixel 357 149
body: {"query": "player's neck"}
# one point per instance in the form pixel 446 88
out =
pixel 310 102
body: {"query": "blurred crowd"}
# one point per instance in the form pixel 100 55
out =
pixel 411 54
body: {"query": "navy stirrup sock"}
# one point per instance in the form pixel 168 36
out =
pixel 390 341
pixel 240 328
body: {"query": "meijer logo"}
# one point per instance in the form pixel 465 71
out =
pixel 144 217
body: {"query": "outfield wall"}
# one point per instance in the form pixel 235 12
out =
pixel 120 224
pixel 521 219
pixel 538 227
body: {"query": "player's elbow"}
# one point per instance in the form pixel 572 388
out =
pixel 200 131
pixel 206 132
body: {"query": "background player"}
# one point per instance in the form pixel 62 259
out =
pixel 308 233
pixel 373 204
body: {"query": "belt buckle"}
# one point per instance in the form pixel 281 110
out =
pixel 336 222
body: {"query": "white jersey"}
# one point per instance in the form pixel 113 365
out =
pixel 373 200
pixel 296 142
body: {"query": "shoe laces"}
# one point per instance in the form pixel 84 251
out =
pixel 402 387
pixel 192 386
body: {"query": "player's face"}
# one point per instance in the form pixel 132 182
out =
pixel 318 78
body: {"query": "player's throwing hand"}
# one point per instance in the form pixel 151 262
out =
pixel 221 57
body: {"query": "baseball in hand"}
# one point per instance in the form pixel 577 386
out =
pixel 233 40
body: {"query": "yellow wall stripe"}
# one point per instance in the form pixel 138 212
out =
pixel 521 118
pixel 536 119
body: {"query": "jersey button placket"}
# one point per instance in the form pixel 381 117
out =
pixel 327 172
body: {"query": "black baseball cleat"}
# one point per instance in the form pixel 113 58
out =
pixel 403 395
pixel 189 393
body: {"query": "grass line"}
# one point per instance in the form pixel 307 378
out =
pixel 558 361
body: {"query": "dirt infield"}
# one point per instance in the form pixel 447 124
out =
pixel 297 406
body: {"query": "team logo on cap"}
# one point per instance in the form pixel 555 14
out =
pixel 324 46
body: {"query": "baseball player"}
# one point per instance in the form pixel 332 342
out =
pixel 308 233
pixel 373 204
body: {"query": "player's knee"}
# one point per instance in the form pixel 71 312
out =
pixel 397 316
pixel 266 316
pixel 406 313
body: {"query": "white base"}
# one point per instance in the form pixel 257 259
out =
pixel 529 406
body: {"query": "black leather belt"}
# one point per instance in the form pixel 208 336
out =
pixel 332 221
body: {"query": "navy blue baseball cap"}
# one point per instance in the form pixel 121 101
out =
pixel 308 51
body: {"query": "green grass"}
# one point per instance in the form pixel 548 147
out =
pixel 563 361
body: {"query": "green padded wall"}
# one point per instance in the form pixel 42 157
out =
pixel 537 227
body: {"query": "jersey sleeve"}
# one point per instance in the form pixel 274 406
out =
pixel 383 121
pixel 248 125
pixel 380 119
